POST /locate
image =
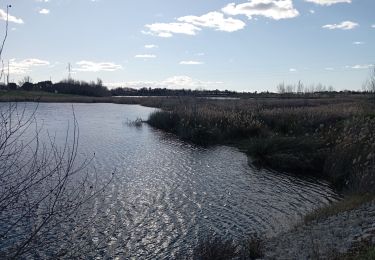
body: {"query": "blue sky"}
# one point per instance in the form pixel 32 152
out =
pixel 234 44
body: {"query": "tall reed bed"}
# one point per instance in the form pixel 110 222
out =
pixel 332 138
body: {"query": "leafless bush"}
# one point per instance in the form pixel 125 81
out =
pixel 369 84
pixel 43 189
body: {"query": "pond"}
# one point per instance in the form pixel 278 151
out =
pixel 166 194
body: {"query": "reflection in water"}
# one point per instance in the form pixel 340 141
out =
pixel 168 193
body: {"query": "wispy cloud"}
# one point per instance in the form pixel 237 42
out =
pixel 328 2
pixel 175 82
pixel 274 9
pixel 151 46
pixel 11 18
pixel 358 43
pixel 191 62
pixel 167 30
pixel 214 20
pixel 90 66
pixel 329 68
pixel 145 56
pixel 44 11
pixel 373 26
pixel 346 25
pixel 25 66
pixel 360 66
pixel 192 24
pixel 292 70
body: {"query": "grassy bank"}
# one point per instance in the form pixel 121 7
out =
pixel 329 138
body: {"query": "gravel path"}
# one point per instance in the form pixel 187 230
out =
pixel 325 238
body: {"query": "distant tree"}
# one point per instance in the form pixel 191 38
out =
pixel 44 86
pixel 320 88
pixel 370 82
pixel 99 82
pixel 290 89
pixel 281 88
pixel 300 87
pixel 28 86
pixel 26 79
pixel 12 86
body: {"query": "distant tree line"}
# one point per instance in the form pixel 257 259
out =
pixel 67 86
pixel 97 89
pixel 171 92
pixel 300 88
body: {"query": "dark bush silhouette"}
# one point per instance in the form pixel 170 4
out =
pixel 12 86
pixel 28 86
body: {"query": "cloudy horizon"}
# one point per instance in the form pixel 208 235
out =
pixel 236 45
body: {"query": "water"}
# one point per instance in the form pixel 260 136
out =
pixel 167 194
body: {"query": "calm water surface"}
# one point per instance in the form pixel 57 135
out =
pixel 167 194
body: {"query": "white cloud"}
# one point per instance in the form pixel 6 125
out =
pixel 358 43
pixel 44 11
pixel 145 56
pixel 312 11
pixel 292 70
pixel 175 82
pixel 151 46
pixel 192 24
pixel 215 20
pixel 328 2
pixel 187 82
pixel 373 26
pixel 329 68
pixel 274 9
pixel 190 62
pixel 346 25
pixel 167 30
pixel 25 66
pixel 360 66
pixel 90 66
pixel 11 18
pixel 44 1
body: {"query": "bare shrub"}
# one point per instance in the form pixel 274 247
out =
pixel 43 189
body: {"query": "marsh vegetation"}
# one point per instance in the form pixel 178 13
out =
pixel 329 138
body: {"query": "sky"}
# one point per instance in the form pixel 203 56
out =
pixel 198 44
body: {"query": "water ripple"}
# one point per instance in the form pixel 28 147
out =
pixel 167 193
